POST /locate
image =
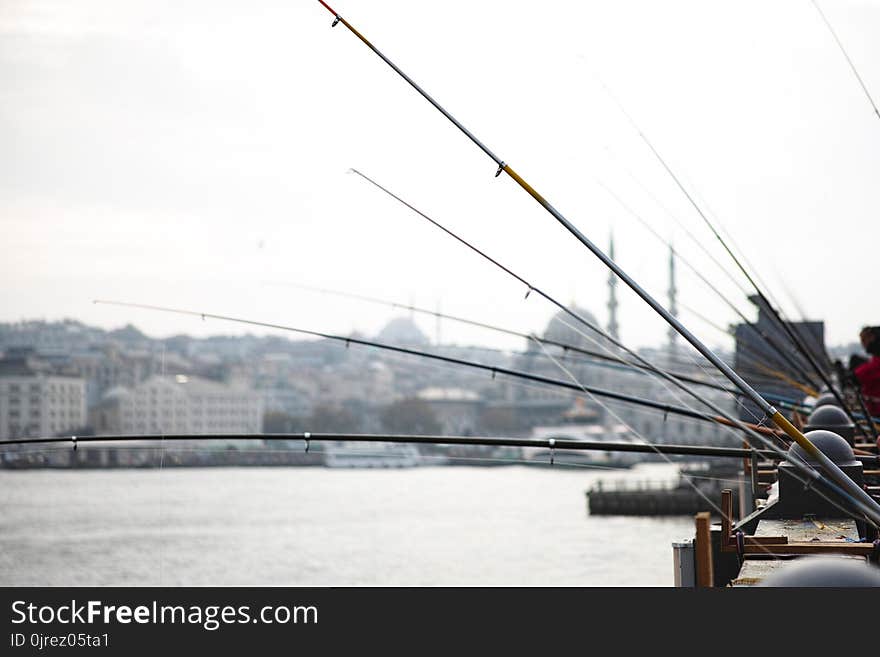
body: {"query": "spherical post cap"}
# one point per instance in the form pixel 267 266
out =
pixel 824 571
pixel 828 416
pixel 830 444
pixel 826 399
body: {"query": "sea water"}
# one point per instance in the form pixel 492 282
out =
pixel 314 526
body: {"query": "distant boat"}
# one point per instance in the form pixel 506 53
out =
pixel 345 454
pixel 588 432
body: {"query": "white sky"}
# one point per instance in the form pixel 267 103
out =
pixel 187 153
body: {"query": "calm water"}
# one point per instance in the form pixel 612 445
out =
pixel 313 526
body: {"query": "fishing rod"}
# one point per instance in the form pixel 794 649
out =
pixel 777 349
pixel 562 444
pixel 674 218
pixel 493 369
pixel 800 327
pixel 677 221
pixel 848 60
pixel 866 416
pixel 784 402
pixel 566 347
pixel 744 351
pixel 855 495
pixel 765 302
pixel 533 288
pixel 801 466
pixel 552 444
pixel 749 353
pixel 527 336
pixel 696 313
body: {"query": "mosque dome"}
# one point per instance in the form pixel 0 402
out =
pixel 402 331
pixel 566 329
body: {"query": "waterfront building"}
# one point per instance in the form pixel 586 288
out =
pixel 179 404
pixel 35 401
pixel 108 365
pixel 760 364
pixel 456 409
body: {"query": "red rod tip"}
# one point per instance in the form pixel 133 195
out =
pixel 328 7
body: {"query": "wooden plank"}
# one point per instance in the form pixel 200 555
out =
pixel 754 570
pixel 726 520
pixel 703 550
pixel 808 536
pixel 804 530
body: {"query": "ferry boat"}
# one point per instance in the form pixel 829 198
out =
pixel 348 454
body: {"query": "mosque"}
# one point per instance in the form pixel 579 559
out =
pixel 540 405
pixel 528 405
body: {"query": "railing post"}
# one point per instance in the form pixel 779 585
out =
pixel 703 550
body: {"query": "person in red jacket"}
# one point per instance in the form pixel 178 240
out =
pixel 867 372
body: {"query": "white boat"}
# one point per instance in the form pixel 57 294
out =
pixel 344 454
pixel 587 432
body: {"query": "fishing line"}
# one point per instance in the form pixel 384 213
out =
pixel 848 60
pixel 675 396
pixel 634 431
pixel 161 480
pixel 679 223
pixel 777 314
pixel 671 392
pixel 776 348
pixel 597 360
pixel 492 369
pixel 765 301
pixel 532 288
pixel 687 478
pixel 489 460
pixel 675 253
pixel 750 353
pixel 411 361
pixel 610 356
pixel 666 387
pixel 696 489
pixel 859 496
pixel 588 324
pixel 735 247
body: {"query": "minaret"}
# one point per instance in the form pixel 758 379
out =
pixel 673 307
pixel 612 296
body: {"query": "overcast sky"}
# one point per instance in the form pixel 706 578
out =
pixel 194 154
